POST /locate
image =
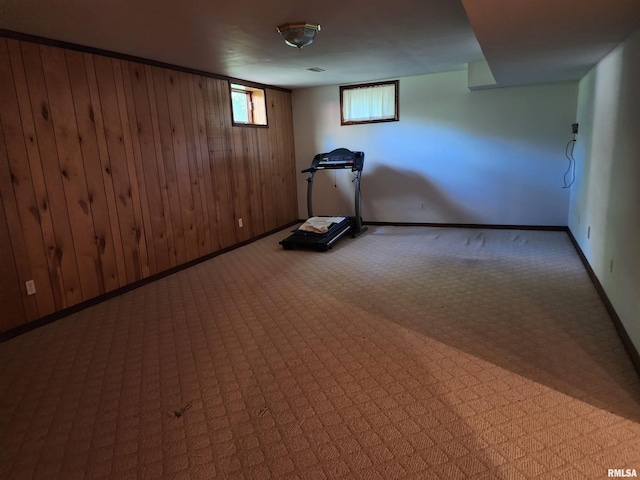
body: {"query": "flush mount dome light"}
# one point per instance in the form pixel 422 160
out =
pixel 299 34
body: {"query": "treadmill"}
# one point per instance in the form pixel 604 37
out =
pixel 320 233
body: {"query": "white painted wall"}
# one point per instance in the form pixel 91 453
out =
pixel 456 156
pixel 605 197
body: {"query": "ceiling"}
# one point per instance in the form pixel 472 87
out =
pixel 524 41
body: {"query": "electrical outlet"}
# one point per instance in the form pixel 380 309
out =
pixel 574 128
pixel 240 224
pixel 31 287
pixel 611 266
pixel 588 232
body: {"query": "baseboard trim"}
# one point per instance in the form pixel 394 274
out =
pixel 622 332
pixel 553 228
pixel 27 327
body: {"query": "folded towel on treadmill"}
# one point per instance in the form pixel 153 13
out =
pixel 320 224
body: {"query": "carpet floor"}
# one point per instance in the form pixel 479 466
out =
pixel 409 352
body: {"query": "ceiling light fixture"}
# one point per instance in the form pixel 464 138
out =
pixel 299 34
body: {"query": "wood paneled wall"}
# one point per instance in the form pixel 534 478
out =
pixel 112 171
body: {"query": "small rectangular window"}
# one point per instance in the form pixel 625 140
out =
pixel 369 103
pixel 248 105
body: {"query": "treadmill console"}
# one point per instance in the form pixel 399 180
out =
pixel 338 158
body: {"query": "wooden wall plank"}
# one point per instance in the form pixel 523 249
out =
pixel 220 148
pixel 287 206
pixel 136 173
pixel 159 160
pixel 249 162
pixel 13 313
pixel 105 169
pixel 183 178
pixel 53 179
pixel 288 156
pixel 117 168
pixel 277 145
pixel 72 173
pixel 16 236
pixel 211 124
pixel 238 182
pixel 169 165
pixel 265 178
pixel 106 263
pixel 214 151
pixel 270 180
pixel 111 171
pixel 147 169
pixel 209 190
pixel 37 177
pixel 227 161
pixel 254 164
pixel 23 190
pixel 191 139
pixel 244 176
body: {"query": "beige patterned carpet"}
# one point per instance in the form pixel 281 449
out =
pixel 409 352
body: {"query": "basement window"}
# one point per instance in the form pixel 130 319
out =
pixel 369 103
pixel 248 105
